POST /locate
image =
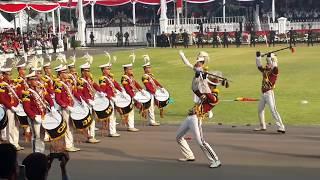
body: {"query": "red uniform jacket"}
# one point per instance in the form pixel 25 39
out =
pixel 150 83
pixel 32 105
pixel 21 85
pixel 7 98
pixel 210 101
pixel 109 86
pixel 86 89
pixel 130 85
pixel 269 78
pixel 62 96
pixel 48 83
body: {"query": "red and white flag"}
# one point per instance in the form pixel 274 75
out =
pixel 179 6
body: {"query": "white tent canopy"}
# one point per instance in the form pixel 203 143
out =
pixel 4 23
pixel 24 20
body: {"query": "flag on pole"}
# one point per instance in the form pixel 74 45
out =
pixel 179 6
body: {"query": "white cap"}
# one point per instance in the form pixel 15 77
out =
pixel 62 68
pixel 32 75
pixel 36 69
pixel 85 66
pixel 200 59
pixel 146 59
pixel 6 69
pixel 146 64
pixel 202 56
pixel 58 67
pixel 127 65
pixel 105 65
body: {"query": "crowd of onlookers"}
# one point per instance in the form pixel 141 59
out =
pixel 35 166
pixel 13 42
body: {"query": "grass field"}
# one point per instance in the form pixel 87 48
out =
pixel 298 80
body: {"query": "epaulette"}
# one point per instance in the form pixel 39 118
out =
pixel 57 90
pixel 102 80
pixel 2 90
pixel 58 84
pixel 24 92
pixel 25 99
pixel 215 91
pixel 43 78
pixel 3 84
pixel 206 68
pixel 111 75
pixel 145 78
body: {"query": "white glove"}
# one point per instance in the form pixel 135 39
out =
pixel 69 108
pixel 113 99
pixel 53 110
pixel 91 102
pixel 14 109
pixel 38 119
pixel 102 94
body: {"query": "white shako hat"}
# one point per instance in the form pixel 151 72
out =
pixel 147 62
pixel 132 57
pixel 202 56
pixel 88 61
pixel 109 64
pixel 32 75
pixel 62 68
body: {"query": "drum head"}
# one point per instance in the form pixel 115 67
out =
pixel 142 96
pixel 162 95
pixel 52 121
pixel 101 103
pixel 79 112
pixel 20 110
pixel 2 113
pixel 122 100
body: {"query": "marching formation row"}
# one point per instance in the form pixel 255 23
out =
pixel 50 107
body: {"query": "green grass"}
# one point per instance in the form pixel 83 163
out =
pixel 298 80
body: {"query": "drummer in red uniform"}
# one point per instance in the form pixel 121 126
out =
pixel 36 100
pixel 151 85
pixel 88 88
pixel 109 86
pixel 10 102
pixel 64 92
pixel 131 86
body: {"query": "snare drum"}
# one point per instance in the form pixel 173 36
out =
pixel 3 118
pixel 102 106
pixel 124 102
pixel 143 97
pixel 22 116
pixel 162 97
pixel 80 116
pixel 54 125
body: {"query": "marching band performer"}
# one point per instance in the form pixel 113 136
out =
pixel 88 87
pixel 48 78
pixel 10 101
pixel 64 93
pixel 130 85
pixel 109 86
pixel 269 75
pixel 151 85
pixel 36 100
pixel 193 123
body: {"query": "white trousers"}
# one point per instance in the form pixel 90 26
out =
pixel 193 124
pixel 68 135
pixel 112 121
pixel 4 134
pixel 13 128
pixel 92 127
pixel 131 119
pixel 37 134
pixel 269 99
pixel 150 113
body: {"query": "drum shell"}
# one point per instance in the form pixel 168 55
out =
pixel 4 121
pixel 57 132
pixel 105 113
pixel 162 104
pixel 23 120
pixel 126 110
pixel 82 123
pixel 146 105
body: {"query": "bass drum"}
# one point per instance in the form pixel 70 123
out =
pixel 22 116
pixel 54 125
pixel 3 118
pixel 102 106
pixel 124 102
pixel 80 116
pixel 143 97
pixel 162 97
